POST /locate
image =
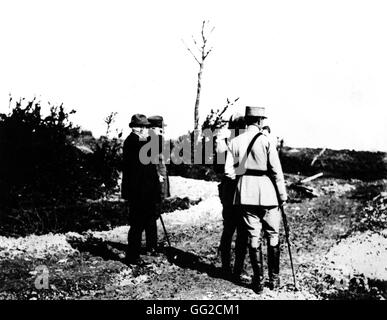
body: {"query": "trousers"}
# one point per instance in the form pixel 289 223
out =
pixel 232 221
pixel 142 219
pixel 258 218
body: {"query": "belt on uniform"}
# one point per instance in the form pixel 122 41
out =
pixel 257 173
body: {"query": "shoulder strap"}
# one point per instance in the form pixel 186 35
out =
pixel 250 146
pixel 252 143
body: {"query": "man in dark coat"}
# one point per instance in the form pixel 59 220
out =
pixel 140 187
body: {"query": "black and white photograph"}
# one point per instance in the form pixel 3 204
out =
pixel 212 152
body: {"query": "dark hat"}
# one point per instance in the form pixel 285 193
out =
pixel 139 120
pixel 156 121
pixel 255 112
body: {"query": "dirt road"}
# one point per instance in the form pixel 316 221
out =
pixel 332 259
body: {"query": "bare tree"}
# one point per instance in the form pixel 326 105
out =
pixel 203 52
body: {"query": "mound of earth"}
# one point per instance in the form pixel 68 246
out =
pixel 361 254
pixel 33 246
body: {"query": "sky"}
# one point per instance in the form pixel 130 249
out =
pixel 318 67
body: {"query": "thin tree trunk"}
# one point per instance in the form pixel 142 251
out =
pixel 196 111
pixel 204 53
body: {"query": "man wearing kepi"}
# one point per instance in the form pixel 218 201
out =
pixel 140 187
pixel 254 161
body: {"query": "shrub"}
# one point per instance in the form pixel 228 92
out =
pixel 40 162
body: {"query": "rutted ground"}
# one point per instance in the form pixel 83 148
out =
pixel 331 260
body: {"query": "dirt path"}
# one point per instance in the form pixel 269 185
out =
pixel 91 267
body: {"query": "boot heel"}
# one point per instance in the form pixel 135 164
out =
pixel 257 285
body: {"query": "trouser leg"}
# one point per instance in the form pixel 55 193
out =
pixel 254 227
pixel 240 248
pixel 134 241
pixel 229 227
pixel 271 224
pixel 226 194
pixel 151 234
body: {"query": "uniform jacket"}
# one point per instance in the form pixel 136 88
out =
pixel 140 182
pixel 256 190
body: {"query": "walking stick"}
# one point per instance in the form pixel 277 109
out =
pixel 172 256
pixel 286 227
pixel 165 230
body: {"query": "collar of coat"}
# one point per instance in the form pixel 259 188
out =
pixel 253 128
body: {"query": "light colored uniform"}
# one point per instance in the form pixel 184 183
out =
pixel 257 194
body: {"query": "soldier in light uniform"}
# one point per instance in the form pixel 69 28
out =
pixel 259 193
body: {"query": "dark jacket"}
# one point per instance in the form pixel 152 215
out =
pixel 140 182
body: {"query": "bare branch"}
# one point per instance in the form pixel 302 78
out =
pixel 190 51
pixel 209 33
pixel 193 39
pixel 207 53
pixel 197 47
pixel 228 104
pixel 204 52
pixel 202 32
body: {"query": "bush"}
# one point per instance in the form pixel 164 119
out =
pixel 41 164
pixel 106 162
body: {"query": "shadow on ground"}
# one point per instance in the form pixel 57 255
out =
pixel 109 250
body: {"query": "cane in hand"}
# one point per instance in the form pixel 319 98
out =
pixel 286 227
pixel 165 230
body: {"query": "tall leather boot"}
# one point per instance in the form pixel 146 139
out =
pixel 256 263
pixel 273 256
pixel 240 254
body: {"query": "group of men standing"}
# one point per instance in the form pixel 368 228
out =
pixel 251 191
pixel 144 184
